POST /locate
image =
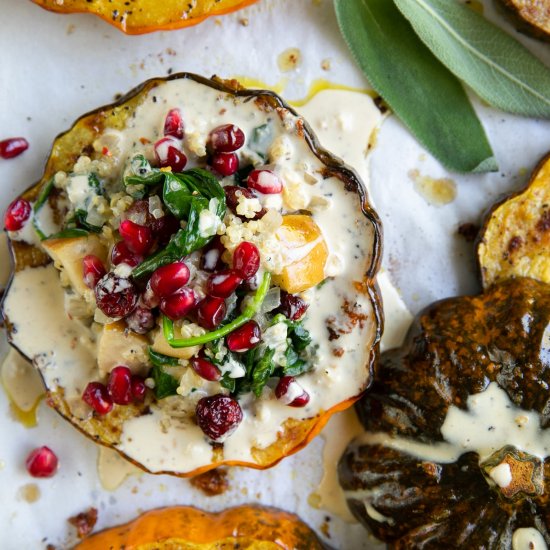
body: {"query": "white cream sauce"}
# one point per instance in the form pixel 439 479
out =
pixel 490 422
pixel 63 349
pixel 528 538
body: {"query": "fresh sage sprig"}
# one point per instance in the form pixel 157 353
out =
pixel 250 310
pixel 415 51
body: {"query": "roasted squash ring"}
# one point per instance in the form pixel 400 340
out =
pixel 296 431
pixel 245 527
pixel 143 16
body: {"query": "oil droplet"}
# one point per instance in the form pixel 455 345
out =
pixel 29 493
pixel 112 469
pixel 289 60
pixel 249 82
pixel 436 192
pixel 314 500
pixel 23 387
pixel 475 5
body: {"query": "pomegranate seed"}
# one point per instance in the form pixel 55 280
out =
pixel 290 392
pixel 138 388
pixel 119 385
pixel 13 147
pixel 121 255
pixel 168 154
pixel 225 164
pixel 92 269
pixel 223 283
pixel 211 312
pixel 116 296
pixel 169 278
pixel 232 194
pixel 245 337
pixel 211 257
pixel 97 396
pixel 178 305
pixel 246 259
pixel 265 181
pixel 163 228
pixel 205 369
pixel 141 320
pixel 18 212
pixel 226 138
pixel 218 416
pixel 42 462
pixel 292 306
pixel 173 125
pixel 138 238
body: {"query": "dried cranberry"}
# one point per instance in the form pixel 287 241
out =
pixel 138 212
pixel 169 278
pixel 13 147
pixel 223 283
pixel 265 181
pixel 173 124
pixel 116 296
pixel 138 238
pixel 218 416
pixel 291 393
pixel 138 388
pixel 205 369
pixel 245 337
pixel 121 254
pixel 141 320
pixel 92 270
pixel 225 164
pixel 97 396
pixel 164 227
pixel 168 154
pixel 18 212
pixel 234 192
pixel 119 385
pixel 246 259
pixel 211 312
pixel 42 462
pixel 292 307
pixel 226 138
pixel 178 305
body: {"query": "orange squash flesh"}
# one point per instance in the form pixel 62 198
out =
pixel 187 528
pixel 143 16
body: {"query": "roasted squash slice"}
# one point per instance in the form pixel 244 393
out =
pixel 186 528
pixel 515 239
pixel 143 16
pixel 530 16
pixel 161 434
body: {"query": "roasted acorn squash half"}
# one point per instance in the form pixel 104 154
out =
pixel 457 441
pixel 245 527
pixel 143 16
pixel 277 398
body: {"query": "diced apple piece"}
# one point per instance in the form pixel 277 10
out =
pixel 160 344
pixel 120 346
pixel 69 253
pixel 306 253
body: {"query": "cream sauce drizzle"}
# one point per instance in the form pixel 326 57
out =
pixel 491 422
pixel 112 469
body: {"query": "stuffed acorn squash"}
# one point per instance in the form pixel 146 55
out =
pixel 142 16
pixel 245 527
pixel 194 278
pixel 456 448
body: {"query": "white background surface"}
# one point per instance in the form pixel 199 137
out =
pixel 54 68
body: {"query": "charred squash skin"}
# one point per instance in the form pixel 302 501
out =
pixel 455 348
pixel 69 146
pixel 246 527
pixel 529 16
pixel 144 16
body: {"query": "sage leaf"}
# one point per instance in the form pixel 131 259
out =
pixel 428 99
pixel 495 65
